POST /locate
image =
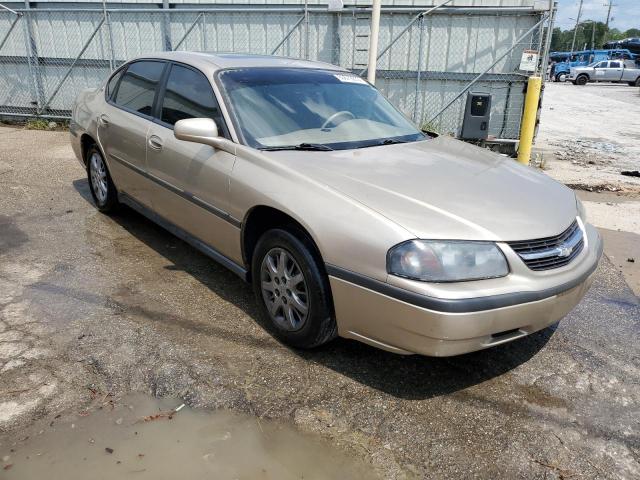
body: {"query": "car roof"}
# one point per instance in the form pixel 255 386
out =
pixel 211 62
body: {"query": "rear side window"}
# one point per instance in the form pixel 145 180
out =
pixel 188 95
pixel 614 64
pixel 113 83
pixel 138 86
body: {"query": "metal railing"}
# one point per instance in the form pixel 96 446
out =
pixel 427 58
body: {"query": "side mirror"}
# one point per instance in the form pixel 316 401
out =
pixel 202 130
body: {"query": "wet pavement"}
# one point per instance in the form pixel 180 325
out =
pixel 141 437
pixel 96 307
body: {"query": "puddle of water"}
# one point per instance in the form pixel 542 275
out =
pixel 118 443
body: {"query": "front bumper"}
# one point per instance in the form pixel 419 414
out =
pixel 401 324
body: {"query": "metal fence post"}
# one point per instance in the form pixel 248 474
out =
pixel 166 26
pixel 204 33
pixel 420 53
pixel 336 24
pixel 306 29
pixel 34 62
pixel 112 59
pixel 553 7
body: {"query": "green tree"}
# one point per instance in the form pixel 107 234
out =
pixel 586 32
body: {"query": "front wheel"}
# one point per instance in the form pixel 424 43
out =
pixel 636 83
pixel 292 290
pixel 102 188
pixel 582 80
pixel 560 77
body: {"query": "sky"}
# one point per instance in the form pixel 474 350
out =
pixel 625 13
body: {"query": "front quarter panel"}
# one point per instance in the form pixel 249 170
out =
pixel 347 233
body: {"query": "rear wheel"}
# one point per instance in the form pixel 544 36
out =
pixel 636 83
pixel 292 290
pixel 582 80
pixel 102 188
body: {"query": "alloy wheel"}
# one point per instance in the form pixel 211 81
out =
pixel 284 290
pixel 98 174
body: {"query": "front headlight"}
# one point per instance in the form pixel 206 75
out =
pixel 582 213
pixel 446 261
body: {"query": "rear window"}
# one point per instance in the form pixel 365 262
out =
pixel 614 64
pixel 138 86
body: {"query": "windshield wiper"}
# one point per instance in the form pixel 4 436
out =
pixel 391 141
pixel 300 146
pixel 386 141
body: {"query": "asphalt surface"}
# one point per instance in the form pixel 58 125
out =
pixel 91 304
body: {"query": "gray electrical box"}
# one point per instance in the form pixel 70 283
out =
pixel 475 125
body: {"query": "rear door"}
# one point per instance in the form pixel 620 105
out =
pixel 122 128
pixel 192 184
pixel 614 72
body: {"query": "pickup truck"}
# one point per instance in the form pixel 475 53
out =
pixel 606 71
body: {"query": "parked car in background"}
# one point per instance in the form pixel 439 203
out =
pixel 305 181
pixel 562 68
pixel 617 71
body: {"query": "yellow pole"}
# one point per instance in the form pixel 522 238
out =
pixel 528 127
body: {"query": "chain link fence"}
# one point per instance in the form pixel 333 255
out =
pixel 426 65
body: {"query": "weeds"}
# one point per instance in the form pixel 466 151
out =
pixel 44 124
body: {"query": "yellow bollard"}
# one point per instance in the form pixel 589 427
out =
pixel 528 127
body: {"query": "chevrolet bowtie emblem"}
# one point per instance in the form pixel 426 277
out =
pixel 564 251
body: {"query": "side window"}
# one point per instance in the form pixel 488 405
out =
pixel 614 64
pixel 138 86
pixel 602 65
pixel 188 95
pixel 113 82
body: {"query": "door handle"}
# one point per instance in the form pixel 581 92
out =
pixel 103 120
pixel 155 142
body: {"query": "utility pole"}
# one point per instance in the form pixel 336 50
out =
pixel 575 30
pixel 606 27
pixel 593 35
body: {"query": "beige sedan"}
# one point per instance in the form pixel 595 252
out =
pixel 347 220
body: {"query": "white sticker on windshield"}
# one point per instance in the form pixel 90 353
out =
pixel 345 78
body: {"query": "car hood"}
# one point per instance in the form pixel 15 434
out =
pixel 443 188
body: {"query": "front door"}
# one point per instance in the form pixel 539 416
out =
pixel 192 180
pixel 123 127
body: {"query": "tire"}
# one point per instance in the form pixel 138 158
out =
pixel 582 80
pixel 103 191
pixel 560 77
pixel 286 276
pixel 637 82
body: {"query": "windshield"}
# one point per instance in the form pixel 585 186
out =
pixel 287 107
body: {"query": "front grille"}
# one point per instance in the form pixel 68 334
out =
pixel 551 252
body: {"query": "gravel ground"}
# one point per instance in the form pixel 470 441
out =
pixel 93 305
pixel 588 135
